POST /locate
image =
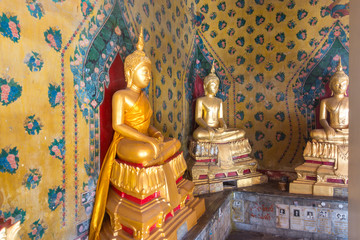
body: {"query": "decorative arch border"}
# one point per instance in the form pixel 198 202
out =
pixel 337 30
pixel 220 68
pixel 107 34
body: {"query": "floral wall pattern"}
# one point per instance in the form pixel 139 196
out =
pixel 39 177
pixel 274 59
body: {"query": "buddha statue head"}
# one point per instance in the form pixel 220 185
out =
pixel 339 82
pixel 211 82
pixel 136 61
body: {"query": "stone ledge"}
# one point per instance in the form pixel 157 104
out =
pixel 256 208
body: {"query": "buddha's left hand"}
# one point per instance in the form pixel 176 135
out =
pixel 220 130
pixel 223 125
pixel 159 136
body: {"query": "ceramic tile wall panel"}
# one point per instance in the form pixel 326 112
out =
pixel 39 175
pixel 274 60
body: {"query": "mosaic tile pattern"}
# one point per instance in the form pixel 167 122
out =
pixel 267 54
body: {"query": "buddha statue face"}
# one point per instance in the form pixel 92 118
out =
pixel 138 66
pixel 339 85
pixel 339 82
pixel 211 82
pixel 212 86
pixel 142 75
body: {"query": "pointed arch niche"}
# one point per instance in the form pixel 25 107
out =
pixel 116 82
pixel 98 72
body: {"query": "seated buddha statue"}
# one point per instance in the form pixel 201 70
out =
pixel 135 141
pixel 209 115
pixel 336 126
pixel 326 155
pixel 140 142
pixel 220 154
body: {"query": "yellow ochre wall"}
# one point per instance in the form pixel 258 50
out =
pixel 39 175
pixel 50 163
pixel 274 59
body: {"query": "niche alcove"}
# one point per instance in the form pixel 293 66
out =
pixel 117 82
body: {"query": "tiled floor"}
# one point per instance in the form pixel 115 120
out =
pixel 247 235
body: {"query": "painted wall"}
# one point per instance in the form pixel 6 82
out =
pixel 42 171
pixel 274 59
pixel 55 63
pixel 54 68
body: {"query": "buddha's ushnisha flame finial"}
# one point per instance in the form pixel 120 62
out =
pixel 135 59
pixel 213 68
pixel 212 75
pixel 339 66
pixel 140 44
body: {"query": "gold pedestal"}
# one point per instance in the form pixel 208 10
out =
pixel 301 187
pixel 325 169
pixel 328 189
pixel 306 178
pixel 172 229
pixel 150 203
pixel 209 172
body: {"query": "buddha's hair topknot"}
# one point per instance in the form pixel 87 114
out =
pixel 338 74
pixel 133 60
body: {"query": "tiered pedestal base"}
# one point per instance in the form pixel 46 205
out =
pixel 307 175
pixel 173 228
pixel 150 202
pixel 325 171
pixel 210 175
pixel 330 183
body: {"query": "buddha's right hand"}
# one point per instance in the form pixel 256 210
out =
pixel 156 146
pixel 211 132
pixel 330 132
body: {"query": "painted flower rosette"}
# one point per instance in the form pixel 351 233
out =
pixel 37 230
pixel 9 91
pixel 53 38
pixel 54 95
pixel 32 179
pixel 93 176
pixel 14 216
pixel 86 7
pixel 32 125
pixel 10 27
pixel 56 197
pixel 57 148
pixel 34 61
pixel 9 160
pixel 35 8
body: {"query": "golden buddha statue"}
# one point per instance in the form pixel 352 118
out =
pixel 221 154
pixel 325 171
pixel 140 185
pixel 140 142
pixel 337 107
pixel 209 115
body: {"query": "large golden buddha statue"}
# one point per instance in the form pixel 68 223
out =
pixel 140 142
pixel 209 115
pixel 221 154
pixel 140 186
pixel 325 171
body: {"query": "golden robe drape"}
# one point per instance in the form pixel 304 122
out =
pixel 137 117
